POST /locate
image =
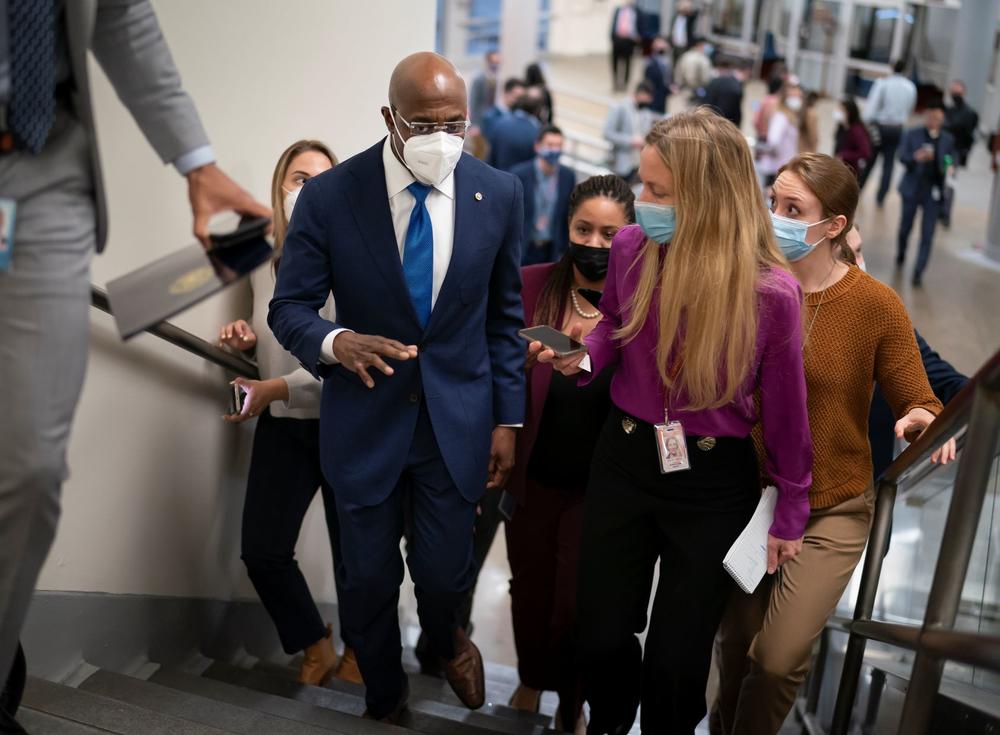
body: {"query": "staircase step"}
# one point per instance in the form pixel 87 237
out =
pixel 196 708
pixel 428 688
pixel 46 724
pixel 289 709
pixel 422 715
pixel 105 714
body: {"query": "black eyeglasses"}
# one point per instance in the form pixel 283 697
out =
pixel 452 127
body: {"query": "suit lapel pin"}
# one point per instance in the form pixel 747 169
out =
pixel 479 196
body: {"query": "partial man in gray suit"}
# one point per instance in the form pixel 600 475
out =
pixel 50 177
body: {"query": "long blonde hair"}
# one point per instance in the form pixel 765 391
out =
pixel 278 194
pixel 706 279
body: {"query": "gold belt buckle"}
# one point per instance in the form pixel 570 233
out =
pixel 628 425
pixel 706 443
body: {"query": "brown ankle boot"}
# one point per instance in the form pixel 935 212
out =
pixel 320 660
pixel 348 669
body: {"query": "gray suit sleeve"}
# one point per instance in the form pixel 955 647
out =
pixel 131 49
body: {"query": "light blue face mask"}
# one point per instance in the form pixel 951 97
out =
pixel 791 236
pixel 656 220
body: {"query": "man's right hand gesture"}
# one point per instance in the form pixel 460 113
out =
pixel 358 352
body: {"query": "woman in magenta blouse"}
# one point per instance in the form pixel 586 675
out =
pixel 699 315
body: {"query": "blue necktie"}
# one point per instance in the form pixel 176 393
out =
pixel 32 71
pixel 418 253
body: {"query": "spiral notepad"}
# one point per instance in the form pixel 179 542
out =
pixel 746 560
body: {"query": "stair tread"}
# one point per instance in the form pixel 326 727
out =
pixel 278 706
pixel 196 708
pixel 41 722
pixel 423 715
pixel 105 714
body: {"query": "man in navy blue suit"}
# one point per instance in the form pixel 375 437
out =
pixel 547 186
pixel 423 372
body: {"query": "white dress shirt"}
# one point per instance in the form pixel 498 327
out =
pixel 891 101
pixel 440 205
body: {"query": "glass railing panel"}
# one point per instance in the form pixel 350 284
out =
pixel 989 615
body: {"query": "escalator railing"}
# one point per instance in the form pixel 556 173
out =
pixel 976 410
pixel 187 341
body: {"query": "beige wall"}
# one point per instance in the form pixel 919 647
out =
pixel 157 479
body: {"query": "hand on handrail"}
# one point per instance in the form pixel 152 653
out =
pixel 238 335
pixel 915 423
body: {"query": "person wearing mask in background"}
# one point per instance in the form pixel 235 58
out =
pixel 782 141
pixel 513 89
pixel 482 98
pixel 624 37
pixel 724 94
pixel 889 106
pixel 54 194
pixel 741 339
pixel 561 422
pixel 649 23
pixel 928 154
pixel 944 380
pixel 430 432
pixel 683 28
pixel 547 186
pixel 762 116
pixel 809 124
pixel 693 71
pixel 626 128
pixel 513 136
pixel 961 121
pixel 766 638
pixel 534 78
pixel 852 145
pixel 660 75
pixel 285 464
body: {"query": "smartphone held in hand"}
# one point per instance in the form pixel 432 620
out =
pixel 561 344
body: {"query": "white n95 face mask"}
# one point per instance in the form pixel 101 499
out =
pixel 290 198
pixel 431 158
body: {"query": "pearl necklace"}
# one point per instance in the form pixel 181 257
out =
pixel 578 310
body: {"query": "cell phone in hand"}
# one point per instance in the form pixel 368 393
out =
pixel 555 340
pixel 236 399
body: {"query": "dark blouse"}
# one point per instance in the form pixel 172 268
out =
pixel 567 434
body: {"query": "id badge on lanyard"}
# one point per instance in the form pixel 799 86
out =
pixel 671 445
pixel 8 210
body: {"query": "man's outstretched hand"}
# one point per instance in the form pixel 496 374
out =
pixel 211 192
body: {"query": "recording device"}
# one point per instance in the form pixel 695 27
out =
pixel 555 340
pixel 248 228
pixel 236 399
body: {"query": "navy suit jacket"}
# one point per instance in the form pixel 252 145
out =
pixel 945 381
pixel 470 368
pixel 914 181
pixel 560 216
pixel 512 140
pixel 661 77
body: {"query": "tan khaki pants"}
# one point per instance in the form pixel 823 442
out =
pixel 764 644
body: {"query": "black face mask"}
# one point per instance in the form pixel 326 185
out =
pixel 591 262
pixel 958 99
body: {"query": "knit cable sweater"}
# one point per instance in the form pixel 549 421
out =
pixel 857 333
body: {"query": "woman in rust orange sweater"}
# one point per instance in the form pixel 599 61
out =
pixel 855 332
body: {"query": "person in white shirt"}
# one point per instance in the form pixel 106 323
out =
pixel 285 464
pixel 890 103
pixel 782 142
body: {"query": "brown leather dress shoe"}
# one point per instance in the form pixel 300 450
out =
pixel 320 660
pixel 348 669
pixel 465 672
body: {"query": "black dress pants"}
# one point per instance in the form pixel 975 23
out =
pixel 634 516
pixel 622 50
pixel 284 477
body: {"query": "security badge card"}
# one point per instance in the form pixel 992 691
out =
pixel 7 209
pixel 671 445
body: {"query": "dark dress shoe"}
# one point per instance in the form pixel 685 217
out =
pixel 465 672
pixel 393 717
pixel 13 688
pixel 918 280
pixel 8 725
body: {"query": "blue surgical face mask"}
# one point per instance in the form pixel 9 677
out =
pixel 656 220
pixel 791 236
pixel 551 157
